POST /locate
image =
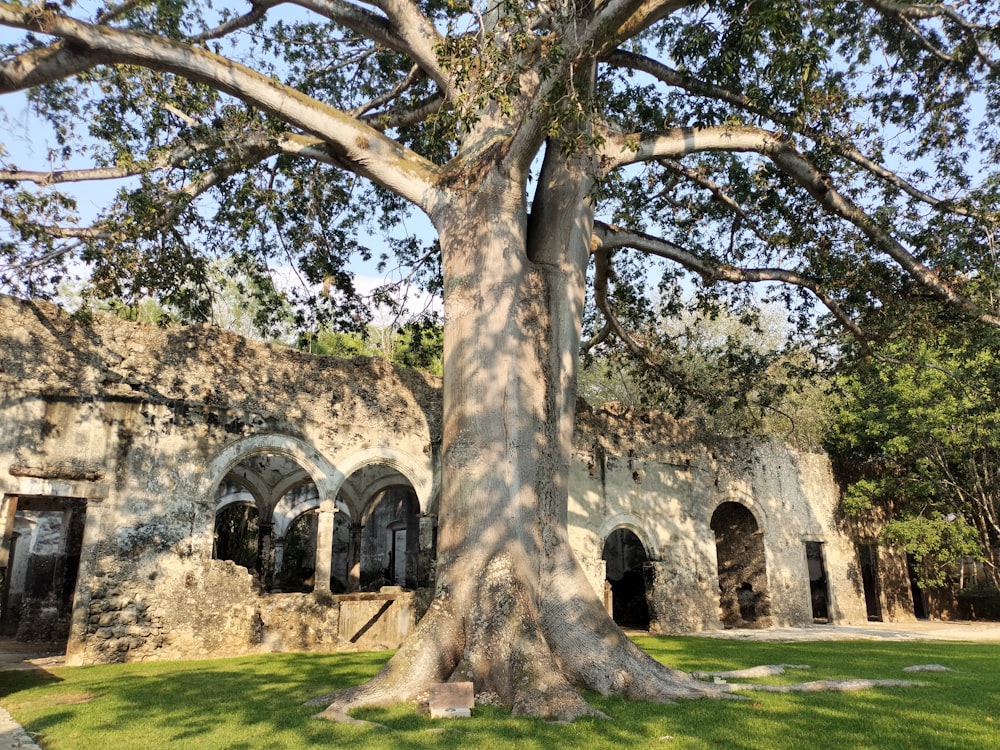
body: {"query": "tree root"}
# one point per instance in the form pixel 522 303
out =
pixel 825 686
pixel 763 670
pixel 536 654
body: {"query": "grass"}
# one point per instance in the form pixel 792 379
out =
pixel 256 702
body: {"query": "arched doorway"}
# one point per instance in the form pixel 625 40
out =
pixel 390 540
pixel 626 571
pixel 245 502
pixel 739 545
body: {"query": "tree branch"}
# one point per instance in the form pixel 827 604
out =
pixel 358 147
pixel 718 192
pixel 620 150
pixel 407 30
pixel 648 13
pixel 910 12
pixel 839 146
pixel 602 275
pixel 610 237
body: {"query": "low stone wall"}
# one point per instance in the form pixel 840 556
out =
pixel 220 612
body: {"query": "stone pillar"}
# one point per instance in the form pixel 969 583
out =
pixel 86 580
pixel 354 558
pixel 324 549
pixel 264 546
pixel 8 507
pixel 279 557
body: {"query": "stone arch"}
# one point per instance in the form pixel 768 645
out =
pixel 417 471
pixel 633 524
pixel 740 498
pixel 324 474
pixel 285 464
pixel 744 601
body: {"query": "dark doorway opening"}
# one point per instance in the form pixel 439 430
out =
pixel 41 561
pixel 390 540
pixel 627 572
pixel 739 546
pixel 818 584
pixel 919 603
pixel 868 560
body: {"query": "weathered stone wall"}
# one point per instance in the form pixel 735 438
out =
pixel 137 421
pixel 664 479
pixel 142 424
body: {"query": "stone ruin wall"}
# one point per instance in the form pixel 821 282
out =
pixel 128 418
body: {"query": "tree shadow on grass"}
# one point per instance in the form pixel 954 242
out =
pixel 250 703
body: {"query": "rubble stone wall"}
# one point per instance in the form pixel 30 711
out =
pixel 141 424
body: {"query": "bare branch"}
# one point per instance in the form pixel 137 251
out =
pixel 837 145
pixel 411 115
pixel 414 76
pixel 258 10
pixel 117 11
pixel 359 147
pixel 609 237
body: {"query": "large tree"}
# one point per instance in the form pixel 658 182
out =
pixel 841 149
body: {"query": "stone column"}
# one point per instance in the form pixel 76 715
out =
pixel 354 558
pixel 279 557
pixel 324 549
pixel 264 546
pixel 8 507
pixel 86 581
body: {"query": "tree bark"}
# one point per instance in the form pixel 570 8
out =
pixel 513 611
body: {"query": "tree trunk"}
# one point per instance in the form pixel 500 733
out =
pixel 513 611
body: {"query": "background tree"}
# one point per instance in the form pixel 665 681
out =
pixel 919 425
pixel 840 149
pixel 736 374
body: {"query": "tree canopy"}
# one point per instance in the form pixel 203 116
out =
pixel 834 153
pixel 846 149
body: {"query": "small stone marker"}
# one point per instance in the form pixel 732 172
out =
pixel 451 700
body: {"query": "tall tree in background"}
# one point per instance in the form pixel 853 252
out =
pixel 818 144
pixel 736 375
pixel 920 427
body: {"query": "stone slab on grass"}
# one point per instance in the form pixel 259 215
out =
pixel 451 700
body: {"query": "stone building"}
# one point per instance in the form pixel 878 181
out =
pixel 183 492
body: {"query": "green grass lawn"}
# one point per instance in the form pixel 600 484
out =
pixel 256 702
